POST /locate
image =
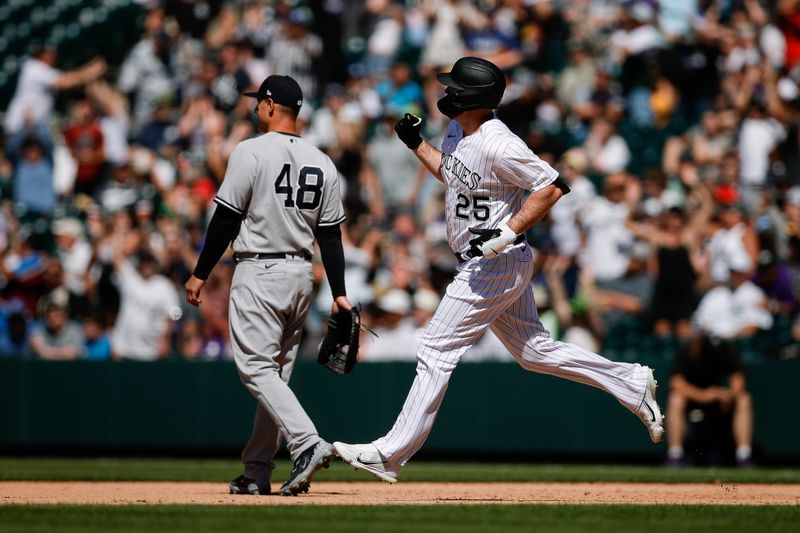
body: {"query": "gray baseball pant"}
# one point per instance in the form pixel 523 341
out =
pixel 268 307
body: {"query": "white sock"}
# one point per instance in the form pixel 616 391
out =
pixel 675 452
pixel 743 452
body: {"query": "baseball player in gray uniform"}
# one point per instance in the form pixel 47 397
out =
pixel 487 170
pixel 278 195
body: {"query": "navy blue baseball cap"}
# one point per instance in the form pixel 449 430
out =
pixel 281 89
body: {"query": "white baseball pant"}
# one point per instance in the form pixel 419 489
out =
pixel 496 293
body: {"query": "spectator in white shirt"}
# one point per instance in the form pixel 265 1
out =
pixel 637 33
pixel 394 338
pixel 565 230
pixel 114 121
pixel 608 152
pixel 608 241
pixel 74 253
pixel 37 85
pixel 295 49
pixel 147 75
pixel 733 239
pixel 737 309
pixel 143 327
pixel 758 137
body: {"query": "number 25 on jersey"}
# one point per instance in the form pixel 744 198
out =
pixel 479 206
pixel 309 187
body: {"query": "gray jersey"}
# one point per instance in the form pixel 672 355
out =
pixel 487 174
pixel 284 187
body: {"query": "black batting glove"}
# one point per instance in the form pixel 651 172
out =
pixel 491 242
pixel 483 235
pixel 407 129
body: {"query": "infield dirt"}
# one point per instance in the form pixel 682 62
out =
pixel 375 493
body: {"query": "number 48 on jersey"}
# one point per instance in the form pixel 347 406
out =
pixel 309 184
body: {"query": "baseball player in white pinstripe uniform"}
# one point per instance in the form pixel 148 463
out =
pixel 487 171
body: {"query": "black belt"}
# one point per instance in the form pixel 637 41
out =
pixel 238 256
pixel 463 257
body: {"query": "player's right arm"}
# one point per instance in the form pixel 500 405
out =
pixel 431 158
pixel 232 201
pixel 223 228
pixel 407 129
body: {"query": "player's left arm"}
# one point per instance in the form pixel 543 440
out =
pixel 490 242
pixel 519 166
pixel 329 237
pixel 536 206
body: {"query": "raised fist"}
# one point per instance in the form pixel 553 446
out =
pixel 407 129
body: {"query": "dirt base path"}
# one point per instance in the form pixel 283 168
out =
pixel 375 493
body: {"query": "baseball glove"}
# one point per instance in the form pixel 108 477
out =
pixel 338 350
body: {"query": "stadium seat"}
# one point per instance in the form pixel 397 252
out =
pixel 51 14
pixel 10 63
pixel 782 332
pixel 648 345
pixel 747 349
pixel 666 346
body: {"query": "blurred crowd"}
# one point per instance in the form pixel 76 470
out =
pixel 675 123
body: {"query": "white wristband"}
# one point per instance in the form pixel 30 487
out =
pixel 507 234
pixel 495 246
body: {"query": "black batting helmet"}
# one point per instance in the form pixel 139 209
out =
pixel 478 83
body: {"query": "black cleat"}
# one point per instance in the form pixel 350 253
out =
pixel 245 485
pixel 311 461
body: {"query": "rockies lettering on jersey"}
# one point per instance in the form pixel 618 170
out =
pixel 461 172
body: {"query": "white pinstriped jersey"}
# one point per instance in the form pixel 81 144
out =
pixel 487 174
pixel 285 187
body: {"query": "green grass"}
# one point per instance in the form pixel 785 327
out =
pixel 435 518
pixel 223 470
pixel 442 518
